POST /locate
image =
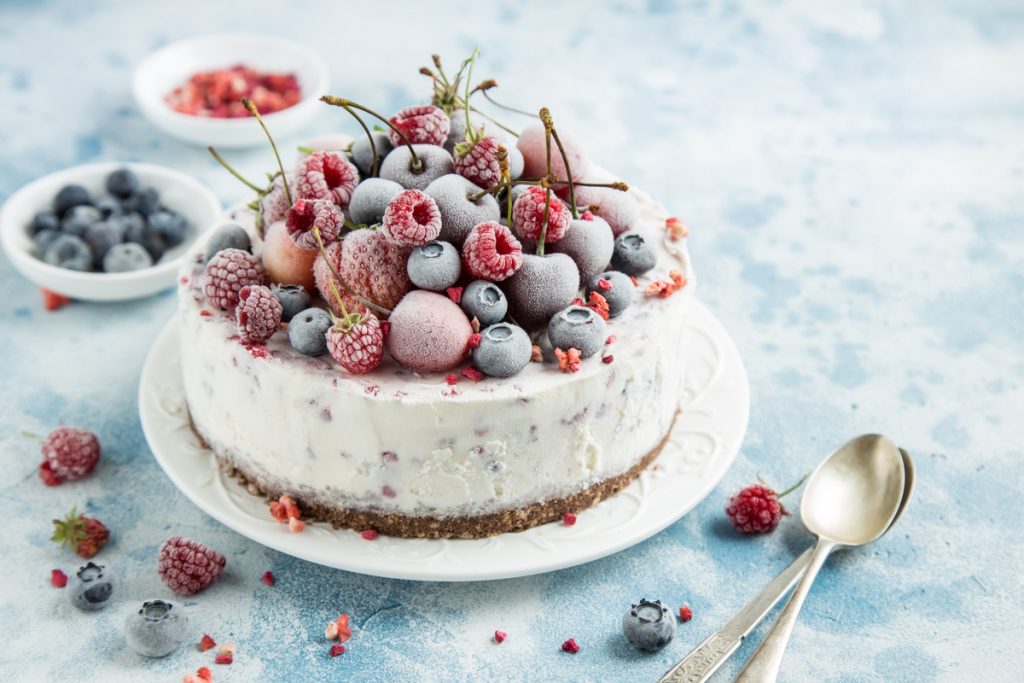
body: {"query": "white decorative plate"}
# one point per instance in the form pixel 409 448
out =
pixel 703 444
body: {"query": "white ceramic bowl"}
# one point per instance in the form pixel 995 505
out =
pixel 172 65
pixel 177 191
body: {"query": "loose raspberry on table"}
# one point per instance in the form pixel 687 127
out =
pixel 425 124
pixel 227 273
pixel 69 453
pixel 307 213
pixel 411 219
pixel 755 510
pixel 492 252
pixel 326 175
pixel 358 349
pixel 258 314
pixel 187 566
pixel 528 215
pixel 478 161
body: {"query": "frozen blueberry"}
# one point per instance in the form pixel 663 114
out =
pixel 146 202
pixel 171 226
pixel 127 222
pixel 69 251
pixel 504 350
pixel 435 266
pixel 157 629
pixel 434 162
pixel 579 328
pixel 108 206
pixel 618 290
pixel 92 586
pixel 122 183
pixel 648 626
pixel 362 156
pixel 69 196
pixel 122 258
pixel 43 239
pixel 369 200
pixel 294 299
pixel 44 220
pixel 228 236
pixel 633 255
pixel 460 213
pixel 152 241
pixel 484 301
pixel 307 331
pixel 100 238
pixel 79 219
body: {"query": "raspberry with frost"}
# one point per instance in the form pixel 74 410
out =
pixel 326 175
pixel 424 124
pixel 258 314
pixel 307 213
pixel 411 219
pixel 528 215
pixel 491 252
pixel 227 273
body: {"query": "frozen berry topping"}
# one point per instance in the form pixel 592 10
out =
pixel 425 124
pixel 227 273
pixel 258 314
pixel 491 252
pixel 306 214
pixel 528 215
pixel 411 219
pixel 326 175
pixel 357 347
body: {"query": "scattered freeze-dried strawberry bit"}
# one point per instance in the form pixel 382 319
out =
pixel 611 339
pixel 636 283
pixel 676 228
pixel 666 288
pixel 597 303
pixel 337 649
pixel 569 361
pixel 227 650
pixel 604 284
pixel 577 301
pixel 204 673
pixel 571 646
pixel 608 360
pixel 685 613
pixel 277 511
pixel 331 631
pixel 455 294
pixel 52 300
pixel 58 578
pixel 586 216
pixel 206 643
pixel 452 379
pixel 500 636
pixel 205 313
pixel 223 659
pixel 472 373
pixel 267 578
pixel 369 534
pixel 344 632
pixel 474 340
pixel 536 354
pixel 569 519
pixel 296 525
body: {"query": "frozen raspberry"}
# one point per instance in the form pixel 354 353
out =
pixel 755 510
pixel 359 348
pixel 326 175
pixel 306 213
pixel 429 332
pixel 187 566
pixel 370 265
pixel 425 124
pixel 69 453
pixel 227 273
pixel 528 215
pixel 478 161
pixel 274 204
pixel 258 314
pixel 411 219
pixel 492 252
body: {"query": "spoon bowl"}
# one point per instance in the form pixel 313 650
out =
pixel 853 496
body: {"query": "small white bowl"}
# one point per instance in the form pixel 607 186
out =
pixel 172 65
pixel 177 191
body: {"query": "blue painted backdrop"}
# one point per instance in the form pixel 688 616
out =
pixel 853 178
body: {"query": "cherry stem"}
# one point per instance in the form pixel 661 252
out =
pixel 568 173
pixel 251 108
pixel 793 487
pixel 545 117
pixel 471 135
pixel 327 260
pixel 31 435
pixel 369 136
pixel 440 69
pixel 615 185
pixel 342 102
pixel 499 105
pixel 230 169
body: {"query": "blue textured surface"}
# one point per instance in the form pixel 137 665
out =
pixel 853 179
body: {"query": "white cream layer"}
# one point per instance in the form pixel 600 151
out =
pixel 398 442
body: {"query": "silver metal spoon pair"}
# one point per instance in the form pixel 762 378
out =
pixel 853 497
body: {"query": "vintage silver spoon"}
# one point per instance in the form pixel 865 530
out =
pixel 706 658
pixel 850 499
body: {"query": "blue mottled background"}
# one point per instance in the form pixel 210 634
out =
pixel 854 178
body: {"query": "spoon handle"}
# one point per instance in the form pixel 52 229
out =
pixel 764 666
pixel 704 660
